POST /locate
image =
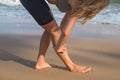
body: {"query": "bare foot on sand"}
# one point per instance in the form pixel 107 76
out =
pixel 39 66
pixel 74 68
pixel 81 69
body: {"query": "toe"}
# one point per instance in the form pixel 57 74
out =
pixel 85 69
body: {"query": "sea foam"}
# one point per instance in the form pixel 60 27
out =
pixel 10 2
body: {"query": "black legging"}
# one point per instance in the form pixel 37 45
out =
pixel 39 9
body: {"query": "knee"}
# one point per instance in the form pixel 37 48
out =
pixel 51 27
pixel 65 34
pixel 46 33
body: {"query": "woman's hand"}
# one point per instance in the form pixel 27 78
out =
pixel 52 1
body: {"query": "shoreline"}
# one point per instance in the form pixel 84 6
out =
pixel 89 30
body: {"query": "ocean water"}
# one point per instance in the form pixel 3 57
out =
pixel 12 9
pixel 13 13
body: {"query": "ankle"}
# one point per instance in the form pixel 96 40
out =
pixel 40 60
pixel 71 67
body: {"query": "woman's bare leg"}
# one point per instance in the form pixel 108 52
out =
pixel 51 32
pixel 66 27
pixel 44 44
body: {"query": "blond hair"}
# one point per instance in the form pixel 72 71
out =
pixel 88 9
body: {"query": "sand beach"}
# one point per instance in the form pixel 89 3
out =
pixel 19 50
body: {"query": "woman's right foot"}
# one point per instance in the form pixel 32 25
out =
pixel 39 66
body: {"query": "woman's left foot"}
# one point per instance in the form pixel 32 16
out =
pixel 81 69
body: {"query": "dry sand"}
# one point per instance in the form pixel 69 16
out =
pixel 18 54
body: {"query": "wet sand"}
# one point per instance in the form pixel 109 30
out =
pixel 18 53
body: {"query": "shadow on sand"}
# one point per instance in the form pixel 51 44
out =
pixel 7 56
